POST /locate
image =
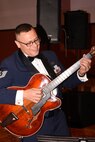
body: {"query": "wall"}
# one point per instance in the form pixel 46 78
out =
pixel 7 45
pixel 65 6
pixel 14 12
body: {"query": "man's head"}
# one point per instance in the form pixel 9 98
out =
pixel 27 39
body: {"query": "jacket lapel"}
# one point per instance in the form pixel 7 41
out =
pixel 26 62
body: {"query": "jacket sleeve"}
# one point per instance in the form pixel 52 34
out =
pixel 6 96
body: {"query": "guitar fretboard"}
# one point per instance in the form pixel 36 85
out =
pixel 63 76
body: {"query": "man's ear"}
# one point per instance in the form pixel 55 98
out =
pixel 17 43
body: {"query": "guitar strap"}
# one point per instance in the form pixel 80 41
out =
pixel 30 67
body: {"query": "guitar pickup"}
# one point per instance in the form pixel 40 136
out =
pixel 11 118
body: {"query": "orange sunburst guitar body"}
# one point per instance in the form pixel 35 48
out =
pixel 27 120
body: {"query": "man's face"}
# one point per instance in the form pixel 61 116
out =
pixel 28 42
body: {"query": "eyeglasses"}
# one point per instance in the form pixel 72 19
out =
pixel 36 41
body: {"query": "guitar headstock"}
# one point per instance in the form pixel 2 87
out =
pixel 92 51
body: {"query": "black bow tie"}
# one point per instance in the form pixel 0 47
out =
pixel 32 58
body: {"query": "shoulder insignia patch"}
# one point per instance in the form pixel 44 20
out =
pixel 3 74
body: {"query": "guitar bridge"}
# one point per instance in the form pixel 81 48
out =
pixel 11 118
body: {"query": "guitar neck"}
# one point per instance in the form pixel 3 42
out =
pixel 63 76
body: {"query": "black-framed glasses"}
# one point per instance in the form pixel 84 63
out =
pixel 36 41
